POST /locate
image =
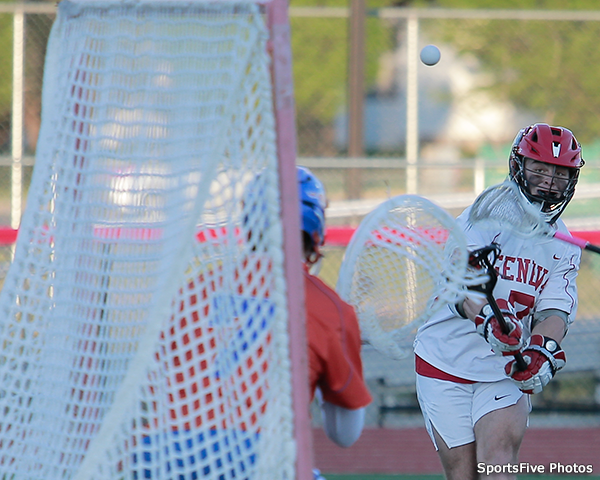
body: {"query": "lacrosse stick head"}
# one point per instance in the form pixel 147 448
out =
pixel 407 259
pixel 556 146
pixel 503 207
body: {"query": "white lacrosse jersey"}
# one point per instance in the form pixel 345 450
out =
pixel 533 275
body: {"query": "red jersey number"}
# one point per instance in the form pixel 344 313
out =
pixel 523 303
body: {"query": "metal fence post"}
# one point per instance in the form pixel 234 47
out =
pixel 412 104
pixel 356 66
pixel 17 116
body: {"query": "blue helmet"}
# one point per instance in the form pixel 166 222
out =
pixel 312 205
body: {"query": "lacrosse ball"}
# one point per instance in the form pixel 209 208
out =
pixel 430 55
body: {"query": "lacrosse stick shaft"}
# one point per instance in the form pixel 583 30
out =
pixel 580 242
pixel 521 364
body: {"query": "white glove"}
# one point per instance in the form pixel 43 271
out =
pixel 544 358
pixel 488 327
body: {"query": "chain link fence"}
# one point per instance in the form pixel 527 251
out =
pixel 571 399
pixel 443 132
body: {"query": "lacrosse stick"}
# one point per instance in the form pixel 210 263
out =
pixel 503 207
pixel 406 260
pixel 485 258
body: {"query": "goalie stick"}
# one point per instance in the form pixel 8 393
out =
pixel 407 259
pixel 503 206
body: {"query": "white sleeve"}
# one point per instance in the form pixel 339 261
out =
pixel 560 292
pixel 342 425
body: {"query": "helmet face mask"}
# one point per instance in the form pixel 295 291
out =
pixel 546 181
pixel 545 162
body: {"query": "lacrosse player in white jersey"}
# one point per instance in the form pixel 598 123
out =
pixel 471 392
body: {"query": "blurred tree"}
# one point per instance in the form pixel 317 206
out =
pixel 6 34
pixel 37 28
pixel 552 71
pixel 508 4
pixel 551 68
pixel 320 49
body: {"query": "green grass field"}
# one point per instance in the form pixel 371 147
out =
pixel 441 477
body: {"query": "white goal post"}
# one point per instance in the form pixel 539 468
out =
pixel 152 319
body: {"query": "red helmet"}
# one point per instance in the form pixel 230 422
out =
pixel 553 145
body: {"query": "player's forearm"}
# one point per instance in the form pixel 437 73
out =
pixel 472 307
pixel 342 426
pixel 553 327
pixel 543 355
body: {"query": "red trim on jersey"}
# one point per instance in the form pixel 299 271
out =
pixel 425 369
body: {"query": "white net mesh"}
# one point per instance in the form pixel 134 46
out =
pixel 503 207
pixel 133 348
pixel 407 259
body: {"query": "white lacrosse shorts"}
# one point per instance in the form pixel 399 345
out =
pixel 454 408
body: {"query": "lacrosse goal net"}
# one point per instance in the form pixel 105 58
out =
pixel 132 346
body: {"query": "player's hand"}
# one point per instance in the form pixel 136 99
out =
pixel 544 358
pixel 488 327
